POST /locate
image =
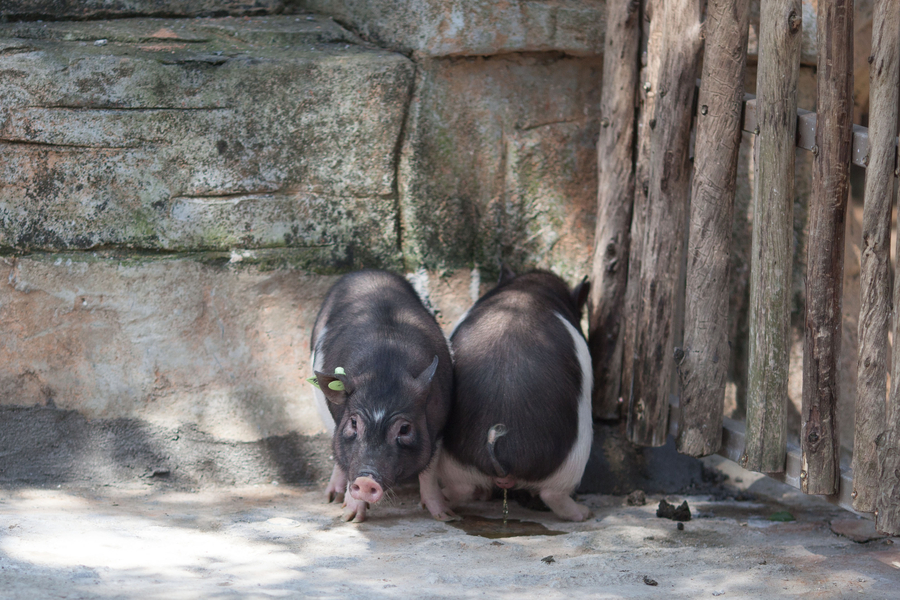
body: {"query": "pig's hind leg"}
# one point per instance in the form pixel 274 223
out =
pixel 556 490
pixel 563 506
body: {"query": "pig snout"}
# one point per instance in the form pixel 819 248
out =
pixel 366 488
pixel 505 483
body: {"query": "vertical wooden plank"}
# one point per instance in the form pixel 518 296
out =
pixel 615 196
pixel 653 19
pixel 887 517
pixel 825 250
pixel 704 365
pixel 662 253
pixel 875 263
pixel 773 217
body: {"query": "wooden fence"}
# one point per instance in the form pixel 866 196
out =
pixel 664 239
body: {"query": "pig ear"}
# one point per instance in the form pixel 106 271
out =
pixel 580 294
pixel 423 381
pixel 506 274
pixel 335 387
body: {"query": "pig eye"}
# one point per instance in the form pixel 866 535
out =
pixel 404 434
pixel 350 429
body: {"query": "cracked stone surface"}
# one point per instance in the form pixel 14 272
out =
pixel 200 134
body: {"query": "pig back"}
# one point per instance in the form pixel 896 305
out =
pixel 516 364
pixel 374 325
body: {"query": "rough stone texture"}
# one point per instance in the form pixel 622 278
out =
pixel 490 173
pixel 218 341
pixel 166 340
pixel 203 134
pixel 474 27
pixel 257 542
pixel 111 9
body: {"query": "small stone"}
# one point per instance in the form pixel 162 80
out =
pixel 649 581
pixel 636 498
pixel 668 511
pixel 101 42
pixel 680 526
pixel 548 559
pixel 718 593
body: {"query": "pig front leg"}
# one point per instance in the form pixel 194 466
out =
pixel 354 509
pixel 430 492
pixel 563 506
pixel 337 485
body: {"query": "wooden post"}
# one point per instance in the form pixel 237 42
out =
pixel 703 369
pixel 773 218
pixel 653 19
pixel 875 264
pixel 886 24
pixel 662 252
pixel 615 167
pixel 825 251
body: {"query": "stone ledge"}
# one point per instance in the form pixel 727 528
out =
pixel 437 28
pixel 113 9
pixel 200 134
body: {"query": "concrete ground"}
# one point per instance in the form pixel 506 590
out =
pixel 152 541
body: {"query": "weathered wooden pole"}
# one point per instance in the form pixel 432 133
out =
pixel 653 19
pixel 875 263
pixel 662 252
pixel 886 25
pixel 773 218
pixel 825 248
pixel 615 197
pixel 704 365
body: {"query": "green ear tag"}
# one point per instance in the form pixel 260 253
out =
pixel 336 385
pixel 339 371
pixel 314 381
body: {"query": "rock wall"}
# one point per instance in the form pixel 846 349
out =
pixel 179 188
pixel 178 193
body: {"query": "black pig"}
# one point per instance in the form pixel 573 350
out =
pixel 384 371
pixel 521 417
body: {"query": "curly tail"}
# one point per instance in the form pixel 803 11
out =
pixel 494 433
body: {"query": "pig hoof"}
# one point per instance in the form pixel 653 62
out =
pixel 581 513
pixel 447 516
pixel 564 507
pixel 337 497
pixel 354 510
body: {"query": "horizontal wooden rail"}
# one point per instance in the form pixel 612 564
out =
pixel 733 447
pixel 806 132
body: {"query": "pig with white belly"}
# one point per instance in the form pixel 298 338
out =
pixel 521 417
pixel 383 373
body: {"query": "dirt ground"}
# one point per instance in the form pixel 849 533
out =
pixel 275 541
